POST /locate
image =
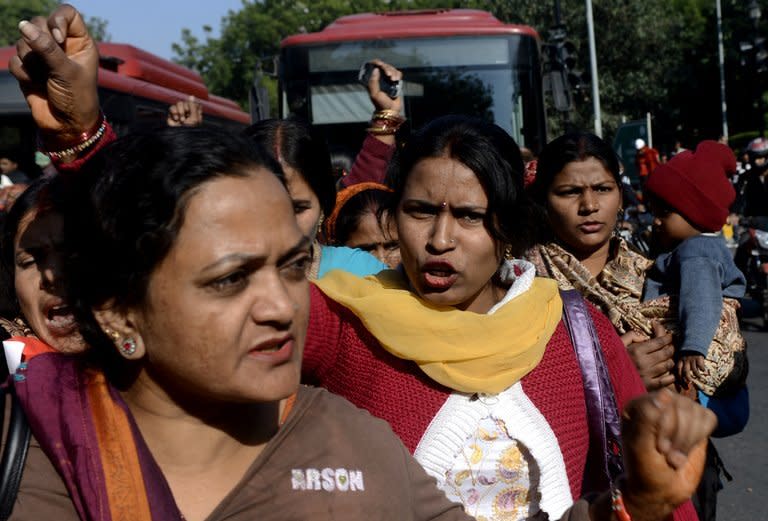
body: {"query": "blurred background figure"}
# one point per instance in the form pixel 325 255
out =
pixel 647 159
pixel 9 194
pixel 678 148
pixel 9 167
pixel 357 221
pixel 753 192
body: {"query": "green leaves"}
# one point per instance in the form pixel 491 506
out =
pixel 14 11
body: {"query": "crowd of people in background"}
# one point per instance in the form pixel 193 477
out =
pixel 207 325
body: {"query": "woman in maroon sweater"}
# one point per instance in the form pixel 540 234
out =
pixel 462 350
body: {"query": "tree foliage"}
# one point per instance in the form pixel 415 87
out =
pixel 14 11
pixel 252 36
pixel 657 56
pixel 97 26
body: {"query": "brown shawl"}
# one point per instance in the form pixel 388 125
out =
pixel 618 291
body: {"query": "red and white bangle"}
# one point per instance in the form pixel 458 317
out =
pixel 617 505
pixel 86 142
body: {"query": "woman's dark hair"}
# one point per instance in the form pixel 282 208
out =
pixel 574 146
pixel 31 199
pixel 371 200
pixel 495 159
pixel 124 210
pixel 294 143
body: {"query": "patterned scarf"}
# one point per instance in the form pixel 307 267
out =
pixel 617 290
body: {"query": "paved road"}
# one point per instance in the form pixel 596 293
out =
pixel 746 454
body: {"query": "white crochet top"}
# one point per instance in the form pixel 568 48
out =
pixel 496 454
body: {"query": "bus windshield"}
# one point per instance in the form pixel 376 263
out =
pixel 492 77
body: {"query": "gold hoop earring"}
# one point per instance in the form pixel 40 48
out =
pixel 508 255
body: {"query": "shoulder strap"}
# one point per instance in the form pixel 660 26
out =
pixel 14 454
pixel 602 411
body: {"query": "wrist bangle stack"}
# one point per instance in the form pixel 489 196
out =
pixel 617 505
pixel 385 122
pixel 86 141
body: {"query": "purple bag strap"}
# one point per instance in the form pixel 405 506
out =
pixel 602 411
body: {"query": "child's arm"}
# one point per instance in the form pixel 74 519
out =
pixel 700 302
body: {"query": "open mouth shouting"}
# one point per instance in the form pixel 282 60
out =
pixel 438 275
pixel 59 318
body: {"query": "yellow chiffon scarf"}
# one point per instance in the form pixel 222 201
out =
pixel 462 350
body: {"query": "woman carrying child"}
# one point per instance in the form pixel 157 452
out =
pixel 578 185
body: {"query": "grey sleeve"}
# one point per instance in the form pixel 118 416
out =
pixel 701 302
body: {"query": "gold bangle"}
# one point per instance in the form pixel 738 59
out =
pixel 385 123
pixel 387 115
pixel 384 128
pixel 382 131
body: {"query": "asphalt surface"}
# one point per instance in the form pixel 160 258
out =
pixel 746 454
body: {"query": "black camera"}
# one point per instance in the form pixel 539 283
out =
pixel 393 89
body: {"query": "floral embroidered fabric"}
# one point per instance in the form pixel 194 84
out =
pixel 494 473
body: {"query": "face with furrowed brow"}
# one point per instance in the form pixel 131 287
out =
pixel 226 311
pixel 448 253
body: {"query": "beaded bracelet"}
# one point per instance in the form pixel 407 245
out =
pixel 87 142
pixel 618 506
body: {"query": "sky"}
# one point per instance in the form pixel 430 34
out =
pixel 153 25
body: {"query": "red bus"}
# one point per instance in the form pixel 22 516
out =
pixel 135 90
pixel 455 61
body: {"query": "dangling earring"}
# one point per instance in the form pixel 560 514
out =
pixel 508 253
pixel 319 230
pixel 127 347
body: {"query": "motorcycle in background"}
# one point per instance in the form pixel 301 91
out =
pixel 752 259
pixel 635 229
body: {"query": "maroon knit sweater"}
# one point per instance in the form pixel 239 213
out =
pixel 371 162
pixel 342 356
